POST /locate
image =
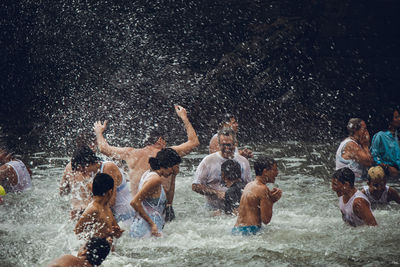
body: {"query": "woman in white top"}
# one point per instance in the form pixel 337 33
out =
pixel 353 152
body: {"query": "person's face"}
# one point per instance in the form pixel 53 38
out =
pixel 337 187
pixel 377 186
pixel 227 146
pixel 175 169
pixel 234 125
pixel 161 141
pixel 272 173
pixel 396 120
pixel 362 133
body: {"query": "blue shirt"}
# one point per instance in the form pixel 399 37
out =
pixel 385 149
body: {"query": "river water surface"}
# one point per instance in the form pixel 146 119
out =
pixel 306 227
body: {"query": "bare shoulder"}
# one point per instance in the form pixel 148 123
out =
pixel 66 260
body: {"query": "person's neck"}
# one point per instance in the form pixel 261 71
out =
pixel 261 179
pixel 349 193
pixel 229 183
pixel 100 200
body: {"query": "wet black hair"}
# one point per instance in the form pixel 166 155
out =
pixel 227 131
pixel 231 170
pixel 165 158
pixel 97 250
pixel 263 163
pixel 154 135
pixel 85 138
pixel 354 125
pixel 102 183
pixel 83 156
pixel 344 175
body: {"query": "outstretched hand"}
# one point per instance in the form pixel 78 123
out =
pixel 117 231
pixel 247 153
pixel 154 230
pixel 99 127
pixel 181 111
pixel 275 194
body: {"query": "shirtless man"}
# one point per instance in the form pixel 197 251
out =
pixel 93 254
pixel 354 205
pixel 137 159
pixel 230 122
pixel 15 176
pixel 84 165
pixel 257 200
pixel 97 219
pixel 377 191
pixel 353 152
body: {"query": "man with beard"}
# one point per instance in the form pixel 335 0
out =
pixel 208 181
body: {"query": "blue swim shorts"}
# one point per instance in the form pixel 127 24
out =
pixel 246 230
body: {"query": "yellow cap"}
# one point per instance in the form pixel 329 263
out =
pixel 376 172
pixel 2 191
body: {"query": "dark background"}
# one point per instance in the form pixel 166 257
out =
pixel 289 70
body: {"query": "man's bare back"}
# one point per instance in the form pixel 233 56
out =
pixel 137 159
pixel 254 204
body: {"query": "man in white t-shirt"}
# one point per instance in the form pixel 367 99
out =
pixel 207 180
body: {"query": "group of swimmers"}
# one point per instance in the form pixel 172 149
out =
pixel 357 161
pixel 104 207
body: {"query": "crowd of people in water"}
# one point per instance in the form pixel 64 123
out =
pixel 106 203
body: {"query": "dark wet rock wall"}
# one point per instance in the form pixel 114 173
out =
pixel 287 69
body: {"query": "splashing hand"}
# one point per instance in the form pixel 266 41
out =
pixel 117 231
pixel 154 230
pixel 247 153
pixel 99 127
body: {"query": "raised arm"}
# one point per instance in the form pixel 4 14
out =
pixel 149 188
pixel 193 140
pixel 65 187
pixel 119 153
pixel 362 210
pixel 360 154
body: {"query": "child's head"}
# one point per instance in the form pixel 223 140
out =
pixel 230 170
pixel 97 249
pixel 102 183
pixel 376 179
pixel 266 165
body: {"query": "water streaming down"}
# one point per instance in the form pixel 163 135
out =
pixel 306 227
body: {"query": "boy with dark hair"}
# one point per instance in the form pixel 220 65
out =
pixel 98 219
pixel 93 254
pixel 231 173
pixel 354 205
pixel 257 200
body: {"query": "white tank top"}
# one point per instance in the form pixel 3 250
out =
pixel 347 209
pixel 24 178
pixel 383 199
pixel 359 170
pixel 122 208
